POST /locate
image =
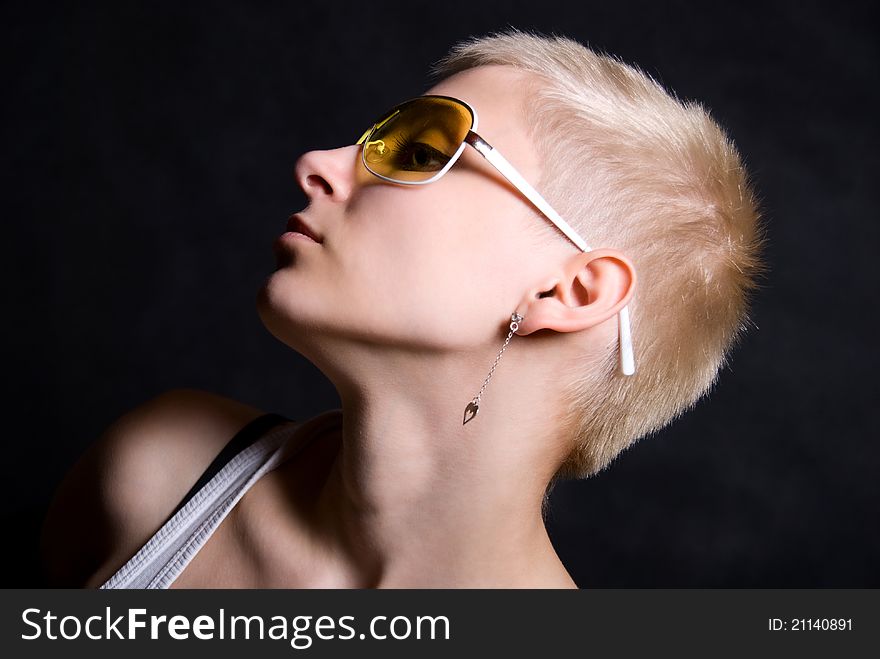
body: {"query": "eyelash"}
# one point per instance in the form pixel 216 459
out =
pixel 401 143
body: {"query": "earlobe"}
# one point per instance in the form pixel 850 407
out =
pixel 592 287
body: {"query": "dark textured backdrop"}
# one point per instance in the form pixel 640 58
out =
pixel 147 158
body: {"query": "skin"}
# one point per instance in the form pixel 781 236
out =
pixel 404 307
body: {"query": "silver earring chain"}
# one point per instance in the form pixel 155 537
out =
pixel 474 406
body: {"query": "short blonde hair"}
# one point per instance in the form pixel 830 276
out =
pixel 634 168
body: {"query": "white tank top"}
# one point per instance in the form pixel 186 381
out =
pixel 165 555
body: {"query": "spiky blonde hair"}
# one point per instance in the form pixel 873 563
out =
pixel 632 167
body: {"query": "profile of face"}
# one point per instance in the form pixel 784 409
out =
pixel 425 268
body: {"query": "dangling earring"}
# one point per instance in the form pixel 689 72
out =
pixel 474 406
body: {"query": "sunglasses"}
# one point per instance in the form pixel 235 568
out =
pixel 419 140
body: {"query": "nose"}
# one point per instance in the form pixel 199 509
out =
pixel 328 174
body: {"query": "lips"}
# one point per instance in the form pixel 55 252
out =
pixel 296 223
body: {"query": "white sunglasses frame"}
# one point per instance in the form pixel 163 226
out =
pixel 627 360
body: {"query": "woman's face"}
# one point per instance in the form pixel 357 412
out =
pixel 436 266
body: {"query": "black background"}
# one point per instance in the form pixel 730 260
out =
pixel 147 159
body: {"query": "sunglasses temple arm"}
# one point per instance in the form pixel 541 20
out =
pixel 509 172
pixel 627 359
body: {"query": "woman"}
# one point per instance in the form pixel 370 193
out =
pixel 422 254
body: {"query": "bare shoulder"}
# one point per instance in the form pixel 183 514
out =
pixel 131 478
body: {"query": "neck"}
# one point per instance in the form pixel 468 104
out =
pixel 415 498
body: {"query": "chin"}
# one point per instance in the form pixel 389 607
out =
pixel 278 315
pixel 268 310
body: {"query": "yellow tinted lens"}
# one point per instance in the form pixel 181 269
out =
pixel 417 139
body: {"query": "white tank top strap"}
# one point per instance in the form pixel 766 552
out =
pixel 165 555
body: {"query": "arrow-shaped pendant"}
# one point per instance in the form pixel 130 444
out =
pixel 472 409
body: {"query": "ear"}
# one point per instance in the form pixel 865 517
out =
pixel 591 288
